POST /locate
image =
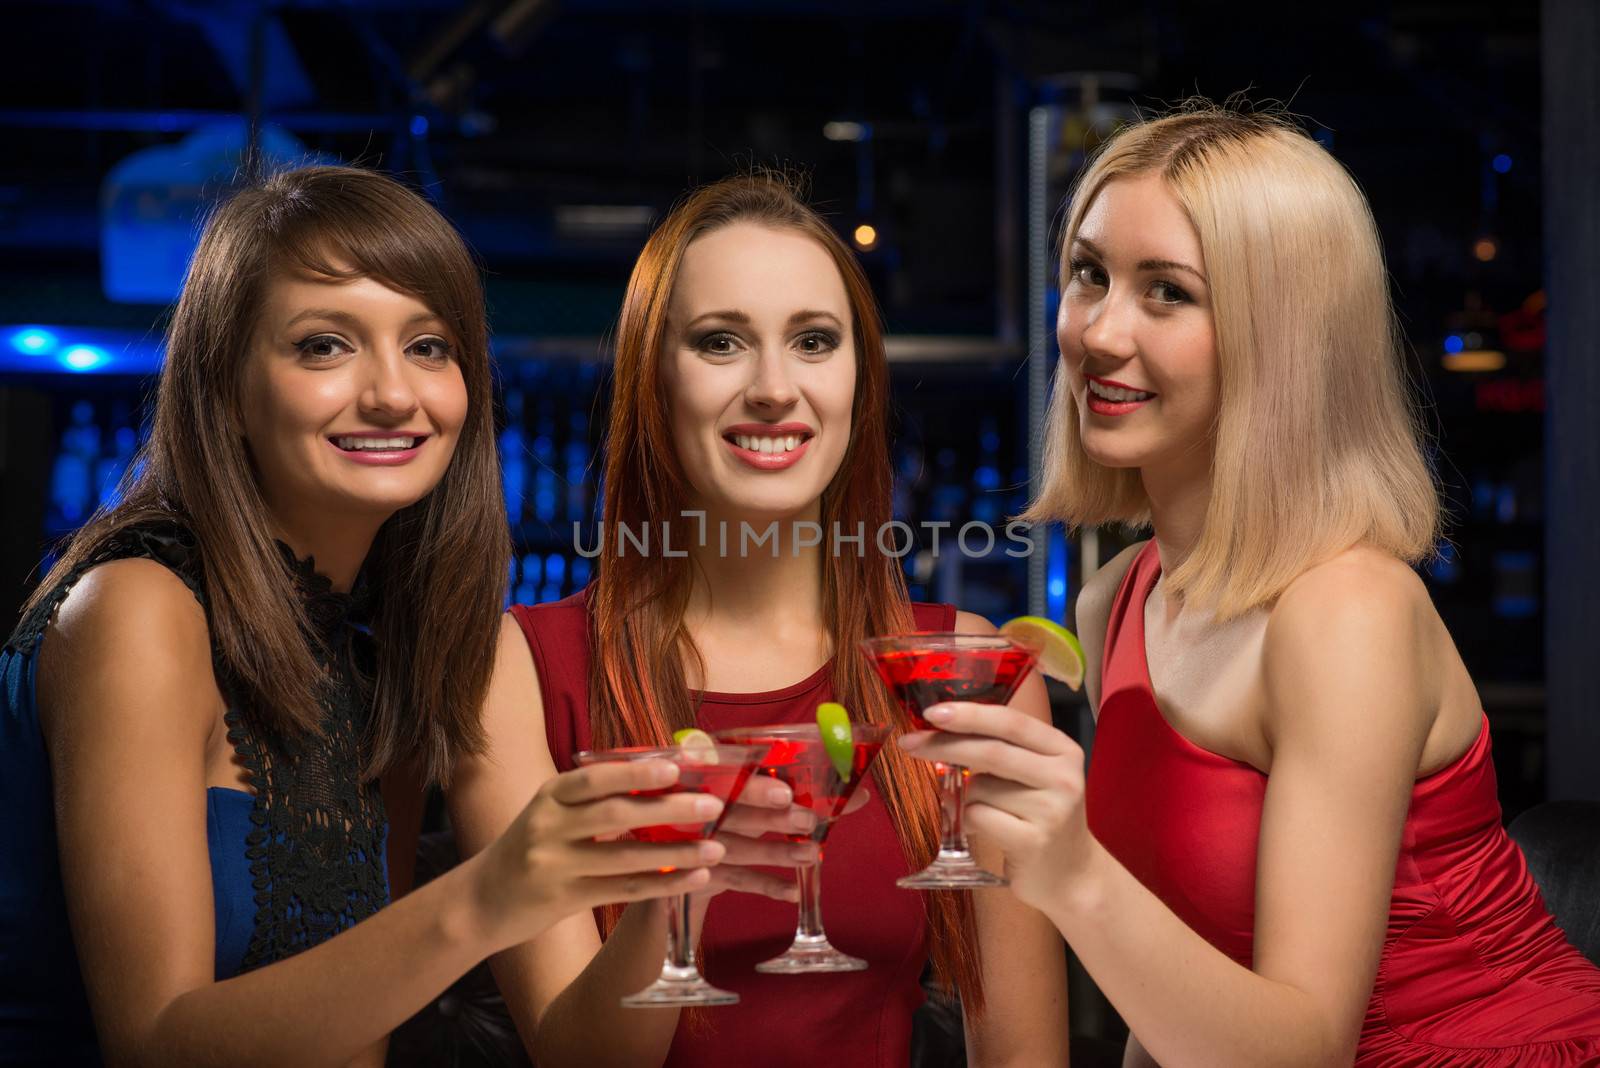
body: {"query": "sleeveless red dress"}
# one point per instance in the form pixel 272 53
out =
pixel 1474 971
pixel 845 1019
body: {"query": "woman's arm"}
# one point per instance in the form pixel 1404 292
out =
pixel 127 699
pixel 563 988
pixel 1351 709
pixel 1024 963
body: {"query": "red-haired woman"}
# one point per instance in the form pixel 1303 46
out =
pixel 751 387
pixel 298 593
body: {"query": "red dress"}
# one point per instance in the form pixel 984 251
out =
pixel 840 1020
pixel 1474 971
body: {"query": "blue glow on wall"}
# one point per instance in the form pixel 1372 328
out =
pixel 36 349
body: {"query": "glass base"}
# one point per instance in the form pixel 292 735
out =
pixel 679 987
pixel 951 871
pixel 808 956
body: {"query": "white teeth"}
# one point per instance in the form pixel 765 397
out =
pixel 766 444
pixel 354 444
pixel 1113 393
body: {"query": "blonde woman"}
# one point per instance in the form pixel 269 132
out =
pixel 1288 850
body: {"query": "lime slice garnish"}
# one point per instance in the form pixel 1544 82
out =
pixel 1056 648
pixel 697 743
pixel 833 723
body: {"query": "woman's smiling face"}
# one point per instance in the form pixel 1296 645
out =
pixel 353 400
pixel 759 365
pixel 1136 330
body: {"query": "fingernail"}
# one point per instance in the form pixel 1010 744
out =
pixel 664 772
pixel 937 714
pixel 912 741
pixel 781 794
pixel 707 806
pixel 801 820
pixel 711 852
pixel 803 851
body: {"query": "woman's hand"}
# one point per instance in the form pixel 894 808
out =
pixel 764 811
pixel 564 854
pixel 1026 792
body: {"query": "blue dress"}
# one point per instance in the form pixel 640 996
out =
pixel 273 891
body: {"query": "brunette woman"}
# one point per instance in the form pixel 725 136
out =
pixel 297 594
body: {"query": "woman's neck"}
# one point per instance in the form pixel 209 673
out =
pixel 1179 495
pixel 776 586
pixel 338 546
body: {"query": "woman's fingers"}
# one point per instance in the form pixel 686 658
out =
pixel 612 777
pixel 763 792
pixel 766 852
pixel 618 858
pixel 751 881
pixel 641 886
pixel 999 721
pixel 612 814
pixel 754 822
pixel 986 755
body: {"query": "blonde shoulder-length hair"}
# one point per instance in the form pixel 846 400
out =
pixel 1317 445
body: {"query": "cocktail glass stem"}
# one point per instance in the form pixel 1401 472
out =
pixel 810 951
pixel 954 867
pixel 680 982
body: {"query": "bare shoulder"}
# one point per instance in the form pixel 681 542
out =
pixel 973 623
pixel 129 639
pixel 132 609
pixel 1361 591
pixel 1348 635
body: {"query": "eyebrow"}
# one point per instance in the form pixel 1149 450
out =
pixel 1144 265
pixel 739 317
pixel 345 319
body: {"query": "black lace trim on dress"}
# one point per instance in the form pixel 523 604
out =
pixel 316 844
pixel 316 848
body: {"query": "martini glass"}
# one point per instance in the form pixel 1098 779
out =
pixel 797 756
pixel 719 770
pixel 925 669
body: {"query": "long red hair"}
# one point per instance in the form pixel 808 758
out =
pixel 638 690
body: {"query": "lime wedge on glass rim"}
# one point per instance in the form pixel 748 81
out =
pixel 1055 647
pixel 696 742
pixel 833 723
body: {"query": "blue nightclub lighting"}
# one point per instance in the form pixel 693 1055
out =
pixel 1453 343
pixel 1502 163
pixel 83 358
pixel 419 126
pixel 34 340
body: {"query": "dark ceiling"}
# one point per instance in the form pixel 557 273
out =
pixel 519 117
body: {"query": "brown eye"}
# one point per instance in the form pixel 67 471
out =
pixel 817 343
pixel 322 347
pixel 432 349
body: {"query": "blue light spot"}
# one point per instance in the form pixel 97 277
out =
pixel 33 341
pixel 1453 343
pixel 1058 587
pixel 83 358
pixel 1502 163
pixel 419 126
pixel 1516 607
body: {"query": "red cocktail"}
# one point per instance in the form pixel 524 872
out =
pixel 721 771
pixel 798 756
pixel 921 678
pixel 922 670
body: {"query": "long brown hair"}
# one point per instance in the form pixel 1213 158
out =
pixel 638 690
pixel 437 568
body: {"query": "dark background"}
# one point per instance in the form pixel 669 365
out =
pixel 553 133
